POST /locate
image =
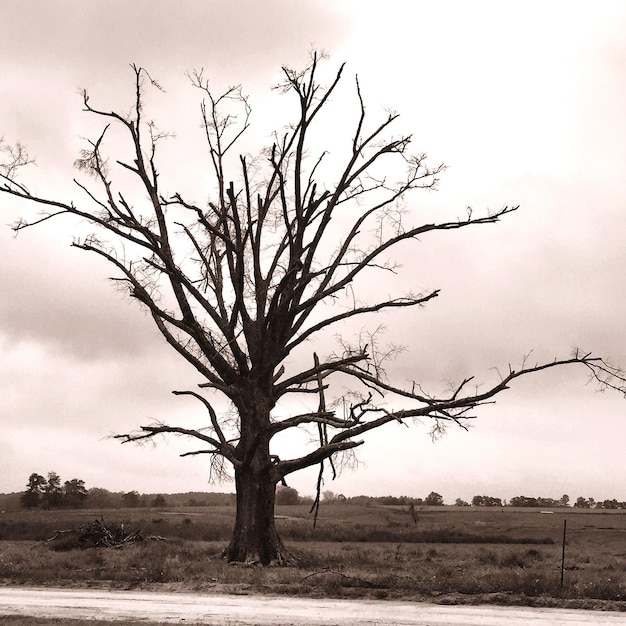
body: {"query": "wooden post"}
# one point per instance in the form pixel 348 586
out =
pixel 563 553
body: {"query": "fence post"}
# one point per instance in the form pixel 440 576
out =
pixel 563 553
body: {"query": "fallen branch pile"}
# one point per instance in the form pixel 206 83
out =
pixel 100 535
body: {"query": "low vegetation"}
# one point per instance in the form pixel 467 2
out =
pixel 446 554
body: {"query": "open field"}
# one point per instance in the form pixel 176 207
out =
pixel 449 555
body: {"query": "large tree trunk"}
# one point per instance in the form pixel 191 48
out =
pixel 255 539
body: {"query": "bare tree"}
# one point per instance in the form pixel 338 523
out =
pixel 241 286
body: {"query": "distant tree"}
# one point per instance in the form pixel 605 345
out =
pixel 486 501
pixel 328 497
pixel 272 253
pixel 459 502
pixel 611 504
pixel 433 499
pixel 98 498
pixel 524 501
pixel 52 496
pixel 31 498
pixel 581 503
pixel 74 493
pixel 362 500
pixel 548 502
pixel 131 499
pixel 564 501
pixel 158 500
pixel 388 500
pixel 11 501
pixel 287 495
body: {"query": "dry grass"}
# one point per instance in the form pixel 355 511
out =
pixel 449 555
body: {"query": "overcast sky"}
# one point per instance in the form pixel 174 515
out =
pixel 524 101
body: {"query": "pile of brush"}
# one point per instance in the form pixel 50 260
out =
pixel 97 534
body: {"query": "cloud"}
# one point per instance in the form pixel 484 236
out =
pixel 61 297
pixel 97 40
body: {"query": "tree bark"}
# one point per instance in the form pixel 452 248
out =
pixel 255 539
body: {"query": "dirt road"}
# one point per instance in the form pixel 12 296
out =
pixel 232 610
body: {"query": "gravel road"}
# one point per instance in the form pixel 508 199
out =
pixel 232 610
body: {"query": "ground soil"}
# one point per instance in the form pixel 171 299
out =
pixel 276 611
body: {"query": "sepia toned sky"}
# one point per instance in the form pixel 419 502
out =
pixel 524 102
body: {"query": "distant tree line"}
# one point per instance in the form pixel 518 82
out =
pixel 49 493
pixel 525 501
pixel 590 503
pixel 580 503
pixel 290 496
pixel 98 498
pixel 544 503
pixel 486 501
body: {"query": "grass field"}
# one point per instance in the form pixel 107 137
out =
pixel 449 555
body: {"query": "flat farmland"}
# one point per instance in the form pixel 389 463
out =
pixel 443 554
